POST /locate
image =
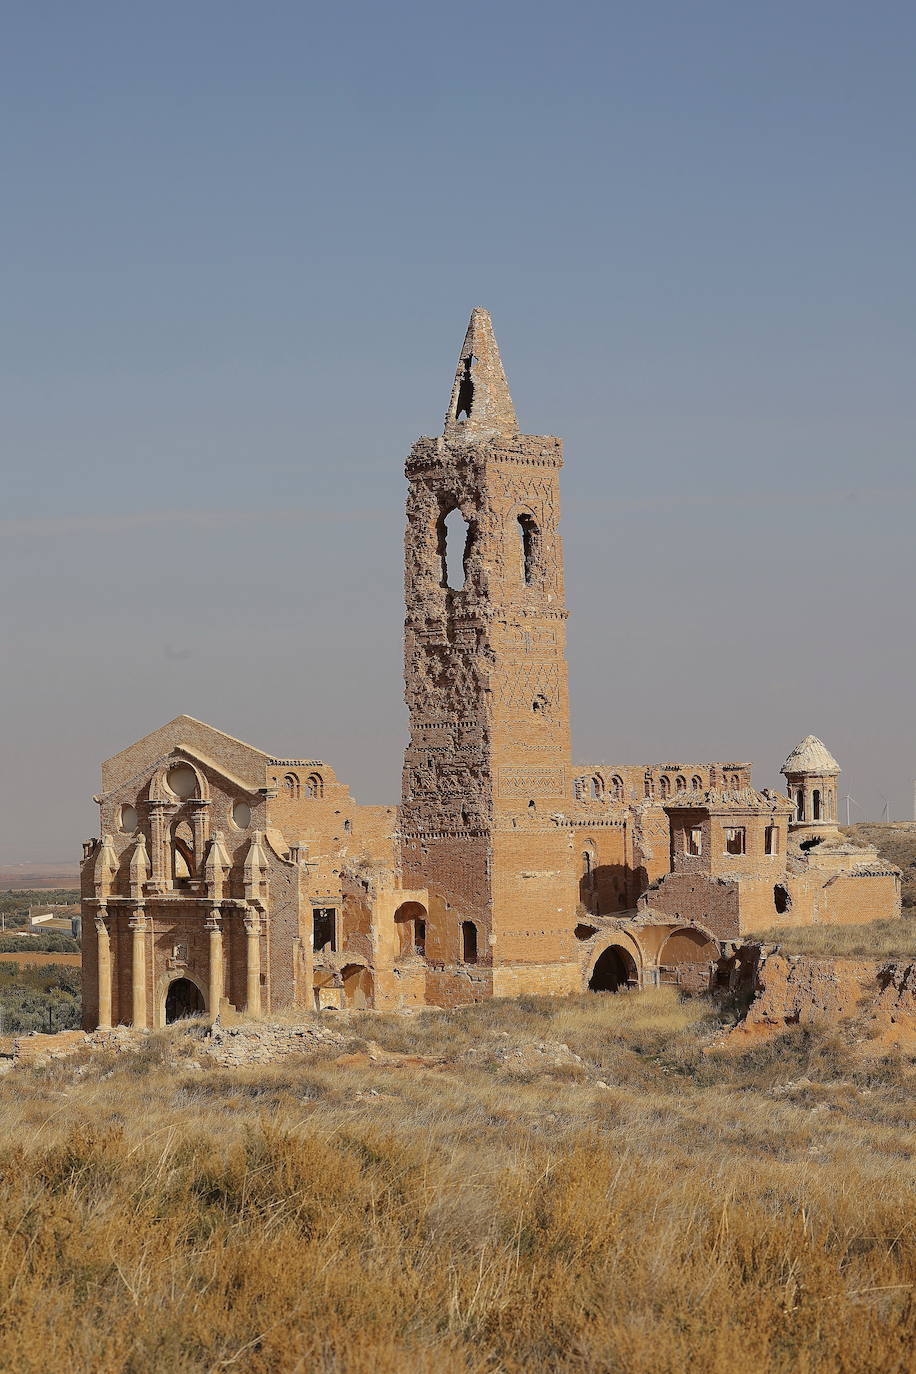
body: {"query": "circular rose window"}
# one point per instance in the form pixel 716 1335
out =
pixel 182 780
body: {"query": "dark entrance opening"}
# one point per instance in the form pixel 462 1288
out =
pixel 183 998
pixel 615 969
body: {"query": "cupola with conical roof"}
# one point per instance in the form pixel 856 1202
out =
pixel 480 407
pixel 811 772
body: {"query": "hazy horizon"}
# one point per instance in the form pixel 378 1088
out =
pixel 240 249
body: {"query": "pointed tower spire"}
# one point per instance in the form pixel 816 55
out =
pixel 481 406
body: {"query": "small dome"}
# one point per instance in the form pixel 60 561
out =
pixel 811 756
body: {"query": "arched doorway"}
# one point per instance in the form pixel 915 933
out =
pixel 183 999
pixel 614 969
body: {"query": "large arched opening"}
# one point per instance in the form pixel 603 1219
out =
pixel 688 958
pixel 614 969
pixel 410 927
pixel 183 999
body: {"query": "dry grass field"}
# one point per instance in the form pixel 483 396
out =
pixel 643 1207
pixel 874 940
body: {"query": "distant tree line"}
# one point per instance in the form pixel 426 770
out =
pixel 42 942
pixel 39 998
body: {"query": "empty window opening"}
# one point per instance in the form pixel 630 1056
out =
pixel 734 840
pixel 800 805
pixel 530 537
pixel 781 899
pixel 588 865
pixel 183 854
pixel 681 783
pixel 291 785
pixel 695 841
pixel 454 546
pixel 314 785
pixel 816 805
pixel 617 789
pixel 466 391
pixel 666 786
pixel 647 787
pixel 324 928
pixel 771 840
pixel 696 783
pixel 468 942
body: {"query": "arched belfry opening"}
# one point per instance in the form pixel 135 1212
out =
pixel 456 536
pixel 465 401
pixel 530 547
pixel 182 1000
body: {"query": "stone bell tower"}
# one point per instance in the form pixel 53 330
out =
pixel 486 768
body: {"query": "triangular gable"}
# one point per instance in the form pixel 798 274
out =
pixel 239 762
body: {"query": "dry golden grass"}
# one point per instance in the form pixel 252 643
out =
pixel 501 1214
pixel 874 940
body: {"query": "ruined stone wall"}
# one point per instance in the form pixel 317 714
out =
pixel 699 898
pixel 851 898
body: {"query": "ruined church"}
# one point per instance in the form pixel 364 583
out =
pixel 229 880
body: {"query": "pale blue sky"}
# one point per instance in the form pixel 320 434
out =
pixel 240 243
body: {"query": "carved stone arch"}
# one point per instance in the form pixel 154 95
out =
pixel 628 942
pixel 687 939
pixel 616 788
pixel 616 963
pixel 159 789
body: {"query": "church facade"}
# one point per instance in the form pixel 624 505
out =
pixel 227 879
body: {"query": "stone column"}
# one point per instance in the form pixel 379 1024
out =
pixel 138 967
pixel 104 960
pixel 216 962
pixel 159 867
pixel 253 967
pixel 199 819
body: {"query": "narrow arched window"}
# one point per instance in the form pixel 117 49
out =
pixel 455 540
pixel 314 785
pixel 183 865
pixel 468 942
pixel 816 804
pixel 666 785
pixel 696 782
pixel 617 788
pixel 530 539
pixel 291 785
pixel 800 804
pixel 681 783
